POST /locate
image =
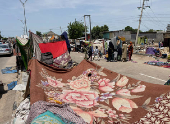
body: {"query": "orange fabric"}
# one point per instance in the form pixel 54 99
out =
pixel 52 37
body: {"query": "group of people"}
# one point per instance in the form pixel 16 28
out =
pixel 96 53
pixel 120 53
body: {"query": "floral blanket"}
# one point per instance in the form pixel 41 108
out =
pixel 99 95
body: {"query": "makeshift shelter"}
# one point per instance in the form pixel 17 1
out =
pixel 99 44
pixel 87 93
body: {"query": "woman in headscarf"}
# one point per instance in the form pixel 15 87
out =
pixel 119 48
pixel 124 52
pixel 130 50
pixel 110 52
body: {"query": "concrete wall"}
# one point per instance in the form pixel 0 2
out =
pixel 131 37
pixel 126 34
pixel 153 35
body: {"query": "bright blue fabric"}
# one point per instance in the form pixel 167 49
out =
pixel 7 70
pixel 12 85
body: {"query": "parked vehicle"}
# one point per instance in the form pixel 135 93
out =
pixel 5 49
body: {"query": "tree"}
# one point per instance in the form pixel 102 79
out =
pixel 97 32
pixel 0 37
pixel 38 33
pixel 76 30
pixel 128 28
pixel 151 30
pixel 4 38
pixel 135 30
pixel 104 28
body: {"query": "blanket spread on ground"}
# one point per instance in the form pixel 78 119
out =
pixel 99 95
pixel 158 63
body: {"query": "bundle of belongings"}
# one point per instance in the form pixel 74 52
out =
pixel 158 63
pixel 92 94
pixel 53 53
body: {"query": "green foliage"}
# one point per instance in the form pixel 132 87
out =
pixel 151 30
pixel 4 38
pixel 128 28
pixel 76 29
pixel 104 28
pixel 97 32
pixel 0 37
pixel 38 33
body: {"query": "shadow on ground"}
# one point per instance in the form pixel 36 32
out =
pixel 6 55
pixel 2 91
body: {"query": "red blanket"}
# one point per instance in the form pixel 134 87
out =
pixel 56 48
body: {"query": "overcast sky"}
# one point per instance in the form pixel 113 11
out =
pixel 43 15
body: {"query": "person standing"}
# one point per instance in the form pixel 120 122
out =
pixel 124 52
pixel 64 37
pixel 130 50
pixel 119 48
pixel 90 53
pixel 110 52
pixel 96 53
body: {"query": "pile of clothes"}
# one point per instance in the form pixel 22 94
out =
pixel 158 63
pixel 56 54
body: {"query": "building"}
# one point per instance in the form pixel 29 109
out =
pixel 46 36
pixel 122 33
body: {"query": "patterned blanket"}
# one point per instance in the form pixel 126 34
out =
pixel 158 63
pixel 99 95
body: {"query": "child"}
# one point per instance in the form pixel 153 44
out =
pixel 100 54
pixel 115 56
pixel 96 53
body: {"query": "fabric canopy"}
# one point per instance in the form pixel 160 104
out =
pixel 99 95
pixel 56 48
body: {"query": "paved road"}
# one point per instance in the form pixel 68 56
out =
pixel 139 71
pixel 7 99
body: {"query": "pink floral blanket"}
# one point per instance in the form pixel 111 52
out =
pixel 99 95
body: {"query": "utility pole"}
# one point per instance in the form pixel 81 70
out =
pixel 61 29
pixel 143 5
pixel 85 25
pixel 23 4
pixel 23 27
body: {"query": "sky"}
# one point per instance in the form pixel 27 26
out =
pixel 46 15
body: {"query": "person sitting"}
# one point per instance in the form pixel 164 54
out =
pixel 157 52
pixel 100 54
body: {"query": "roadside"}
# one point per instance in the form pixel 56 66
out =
pixel 7 99
pixel 139 70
